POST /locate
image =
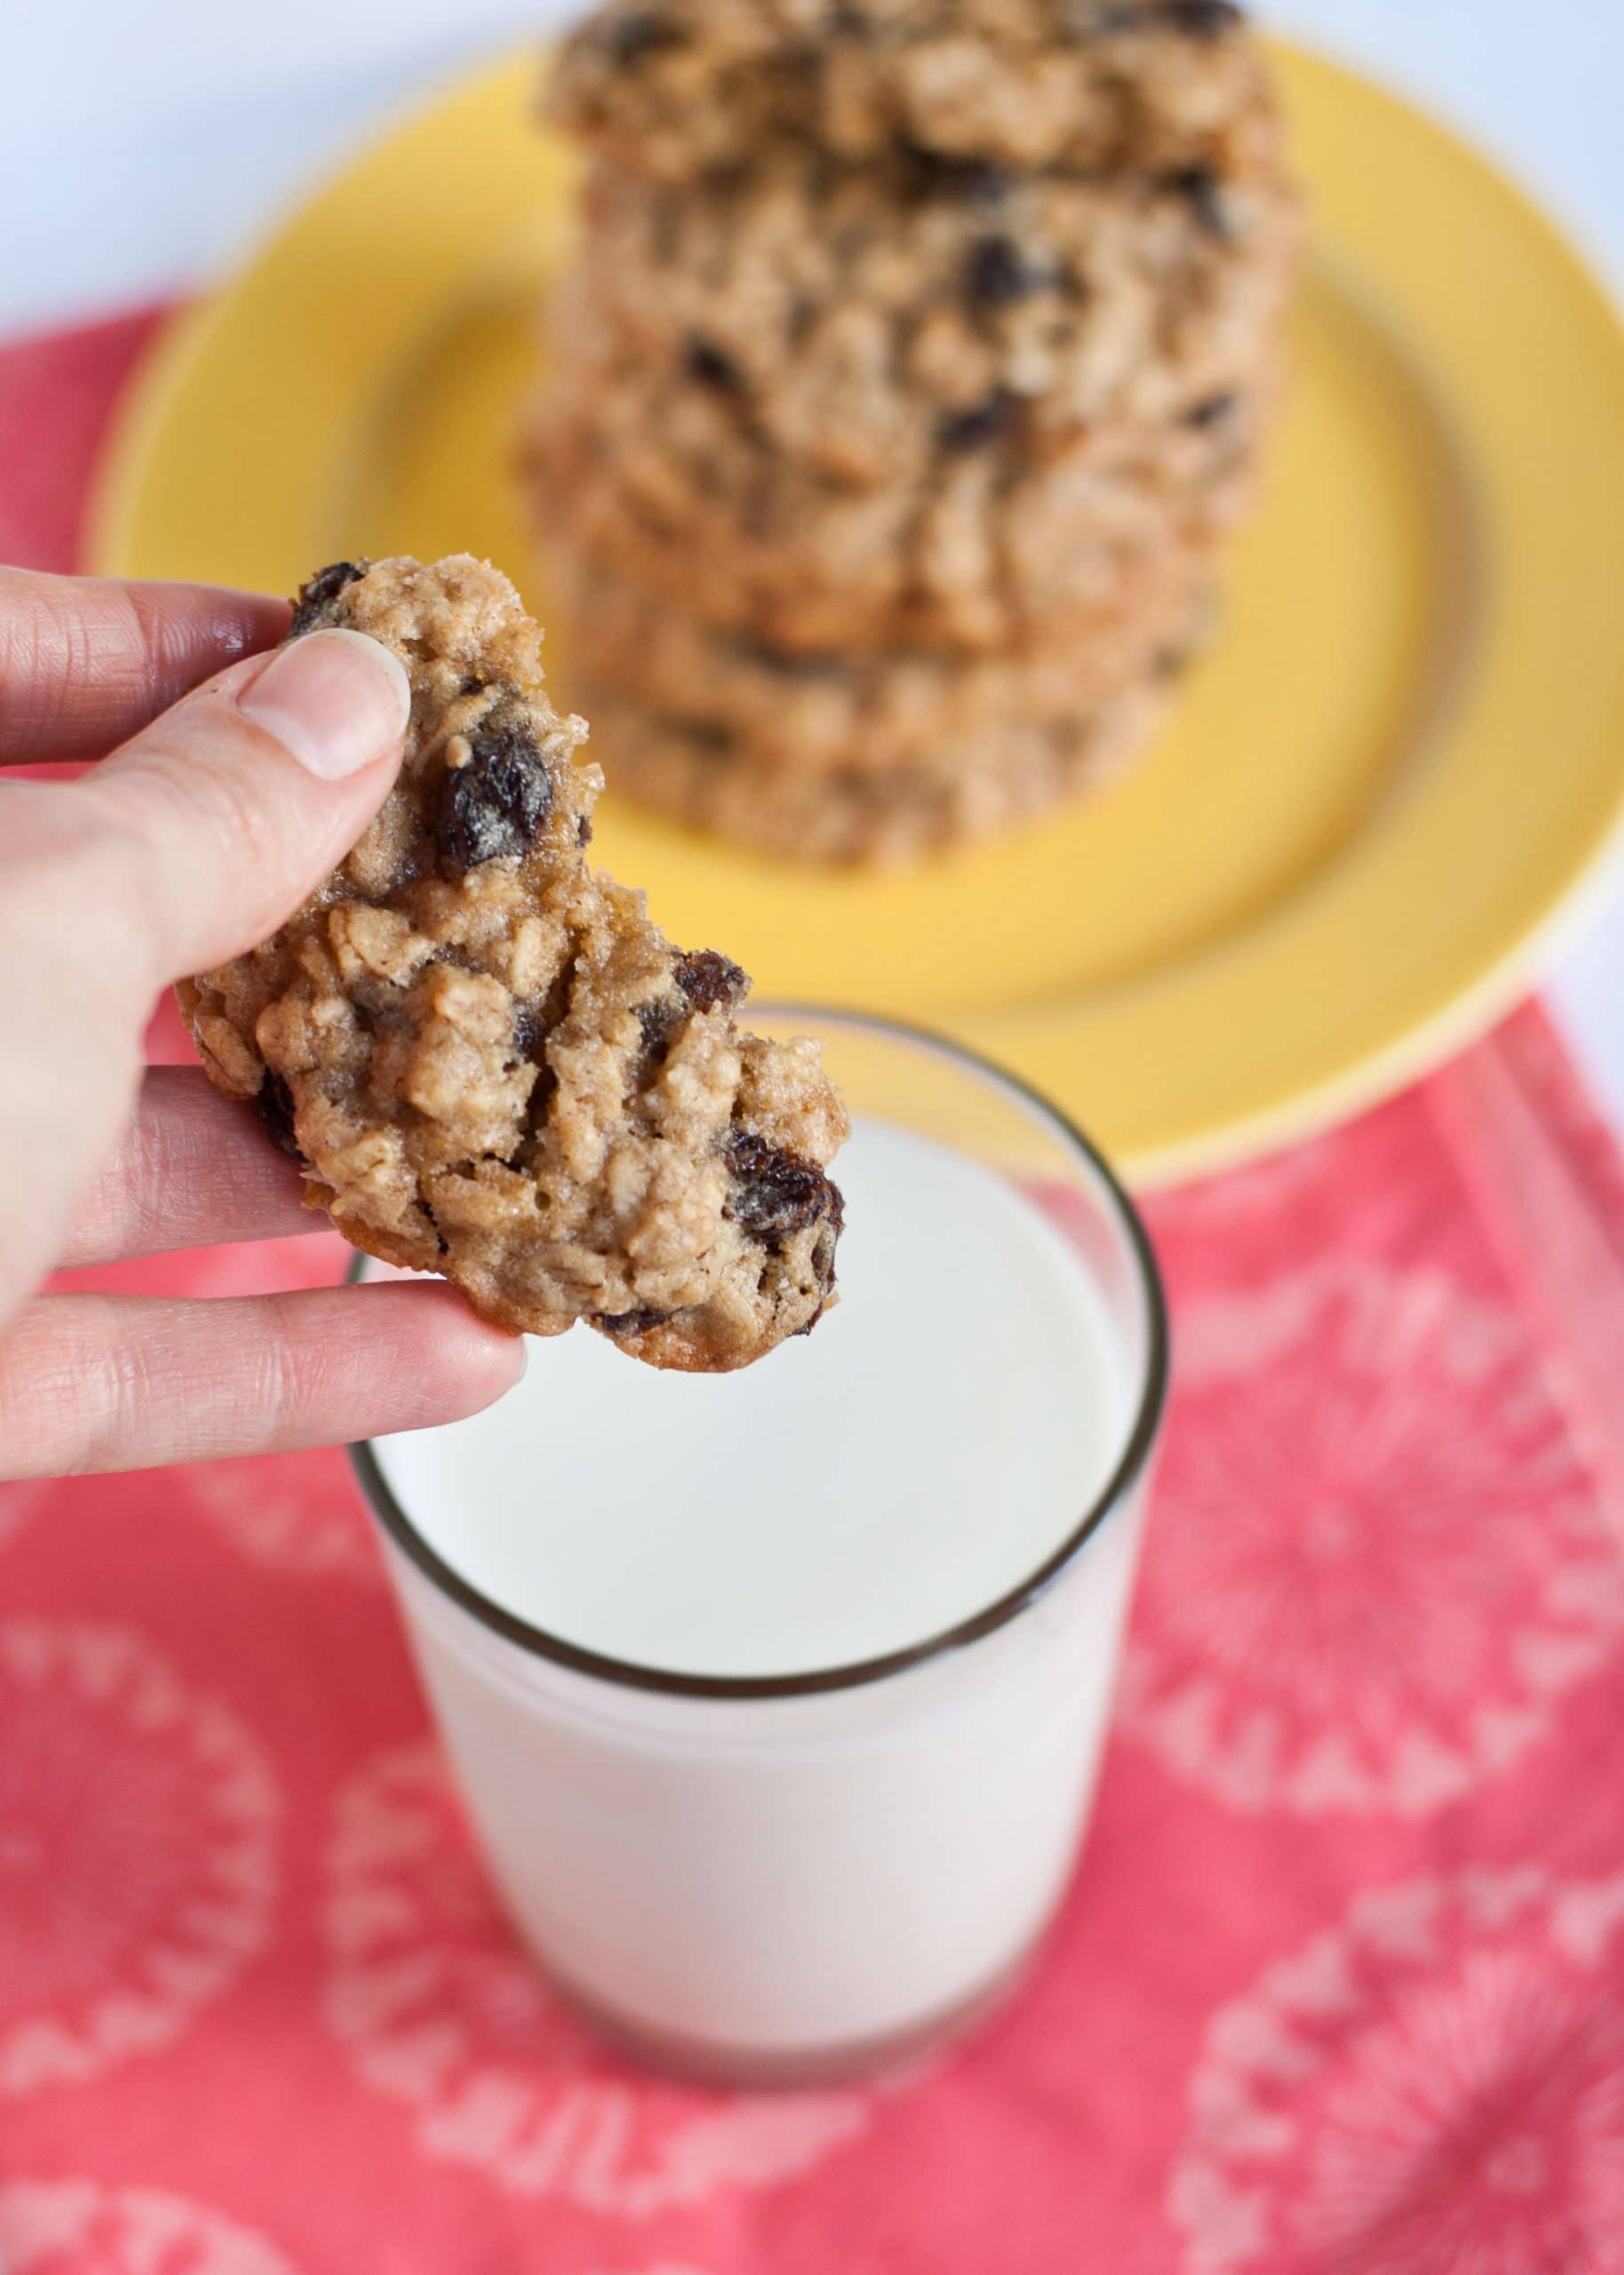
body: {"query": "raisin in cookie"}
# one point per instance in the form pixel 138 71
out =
pixel 855 323
pixel 680 87
pixel 489 1063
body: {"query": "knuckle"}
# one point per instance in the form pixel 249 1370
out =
pixel 62 1403
pixel 296 1373
pixel 135 1196
pixel 39 640
pixel 67 647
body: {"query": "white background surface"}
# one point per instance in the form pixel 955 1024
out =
pixel 142 147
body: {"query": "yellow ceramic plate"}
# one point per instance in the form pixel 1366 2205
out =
pixel 1402 760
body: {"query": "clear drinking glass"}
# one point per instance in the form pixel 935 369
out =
pixel 792 1878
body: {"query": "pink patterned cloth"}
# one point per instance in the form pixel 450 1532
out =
pixel 1340 1986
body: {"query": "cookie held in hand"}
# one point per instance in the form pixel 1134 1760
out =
pixel 487 1061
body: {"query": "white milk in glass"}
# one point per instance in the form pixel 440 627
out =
pixel 765 1879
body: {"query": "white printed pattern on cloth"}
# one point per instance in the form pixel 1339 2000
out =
pixel 80 2227
pixel 441 2008
pixel 1434 2087
pixel 1378 1557
pixel 138 1827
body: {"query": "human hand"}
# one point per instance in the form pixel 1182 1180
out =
pixel 202 832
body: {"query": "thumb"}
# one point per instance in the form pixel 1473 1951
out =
pixel 231 807
pixel 187 846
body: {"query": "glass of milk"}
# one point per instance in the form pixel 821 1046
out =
pixel 776 1698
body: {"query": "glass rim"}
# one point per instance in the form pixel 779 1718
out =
pixel 630 1674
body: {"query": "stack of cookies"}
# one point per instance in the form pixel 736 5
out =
pixel 911 369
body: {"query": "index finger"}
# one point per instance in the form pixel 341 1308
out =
pixel 86 661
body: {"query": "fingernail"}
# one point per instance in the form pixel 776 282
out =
pixel 335 700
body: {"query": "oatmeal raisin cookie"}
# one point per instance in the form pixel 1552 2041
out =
pixel 699 774
pixel 680 87
pixel 835 712
pixel 984 553
pixel 860 328
pixel 487 1059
